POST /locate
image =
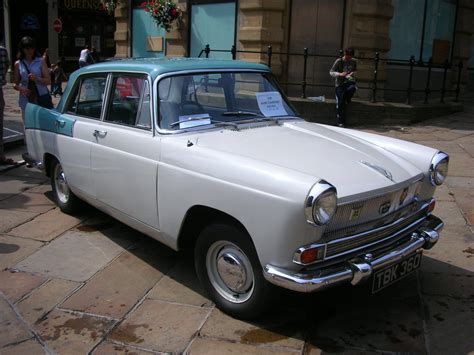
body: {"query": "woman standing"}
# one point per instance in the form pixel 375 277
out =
pixel 31 69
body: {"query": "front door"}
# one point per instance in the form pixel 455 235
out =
pixel 214 24
pixel 125 159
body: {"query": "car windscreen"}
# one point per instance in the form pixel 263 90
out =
pixel 217 98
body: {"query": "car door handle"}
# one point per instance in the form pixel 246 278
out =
pixel 98 133
pixel 60 123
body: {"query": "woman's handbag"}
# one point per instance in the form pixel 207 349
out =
pixel 34 97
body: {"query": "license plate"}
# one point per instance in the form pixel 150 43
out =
pixel 389 275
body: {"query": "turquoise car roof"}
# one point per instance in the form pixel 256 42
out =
pixel 158 66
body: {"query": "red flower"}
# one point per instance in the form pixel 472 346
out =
pixel 173 12
pixel 143 4
pixel 155 11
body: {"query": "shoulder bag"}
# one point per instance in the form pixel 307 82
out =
pixel 34 97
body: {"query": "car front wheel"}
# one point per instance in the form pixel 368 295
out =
pixel 63 196
pixel 228 267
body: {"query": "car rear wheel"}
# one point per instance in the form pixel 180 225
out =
pixel 228 267
pixel 63 196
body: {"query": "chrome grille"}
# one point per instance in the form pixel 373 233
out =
pixel 369 211
pixel 337 247
pixel 362 227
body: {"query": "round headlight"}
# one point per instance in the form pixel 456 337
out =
pixel 321 203
pixel 439 168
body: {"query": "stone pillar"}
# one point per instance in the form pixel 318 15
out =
pixel 53 37
pixel 368 31
pixel 260 23
pixel 177 38
pixel 122 30
pixel 462 40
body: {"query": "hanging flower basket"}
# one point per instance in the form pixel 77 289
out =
pixel 164 12
pixel 110 5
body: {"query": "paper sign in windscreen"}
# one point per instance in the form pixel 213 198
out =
pixel 270 104
pixel 194 120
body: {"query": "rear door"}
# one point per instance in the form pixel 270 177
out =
pixel 125 158
pixel 84 107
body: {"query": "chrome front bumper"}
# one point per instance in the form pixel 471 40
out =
pixel 358 269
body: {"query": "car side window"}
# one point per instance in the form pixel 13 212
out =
pixel 126 102
pixel 144 119
pixel 88 97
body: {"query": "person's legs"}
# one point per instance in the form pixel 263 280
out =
pixel 340 105
pixel 350 91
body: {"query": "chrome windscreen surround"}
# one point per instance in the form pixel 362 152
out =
pixel 437 159
pixel 316 191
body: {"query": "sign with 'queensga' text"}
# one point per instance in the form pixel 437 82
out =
pixel 83 5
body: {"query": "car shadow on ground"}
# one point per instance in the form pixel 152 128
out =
pixel 339 319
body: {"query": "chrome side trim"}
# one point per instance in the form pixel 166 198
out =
pixel 356 270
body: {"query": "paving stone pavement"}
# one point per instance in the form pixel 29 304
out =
pixel 89 284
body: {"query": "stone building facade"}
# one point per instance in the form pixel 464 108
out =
pixel 395 29
pixel 325 27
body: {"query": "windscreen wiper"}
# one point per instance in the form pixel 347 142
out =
pixel 240 113
pixel 248 113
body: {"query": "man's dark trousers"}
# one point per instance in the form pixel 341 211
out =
pixel 344 94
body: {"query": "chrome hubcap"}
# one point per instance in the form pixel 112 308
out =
pixel 230 271
pixel 62 190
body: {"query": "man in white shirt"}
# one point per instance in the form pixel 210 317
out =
pixel 84 56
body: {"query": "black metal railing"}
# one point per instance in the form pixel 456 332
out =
pixel 374 84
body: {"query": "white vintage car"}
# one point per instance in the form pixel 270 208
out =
pixel 210 155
